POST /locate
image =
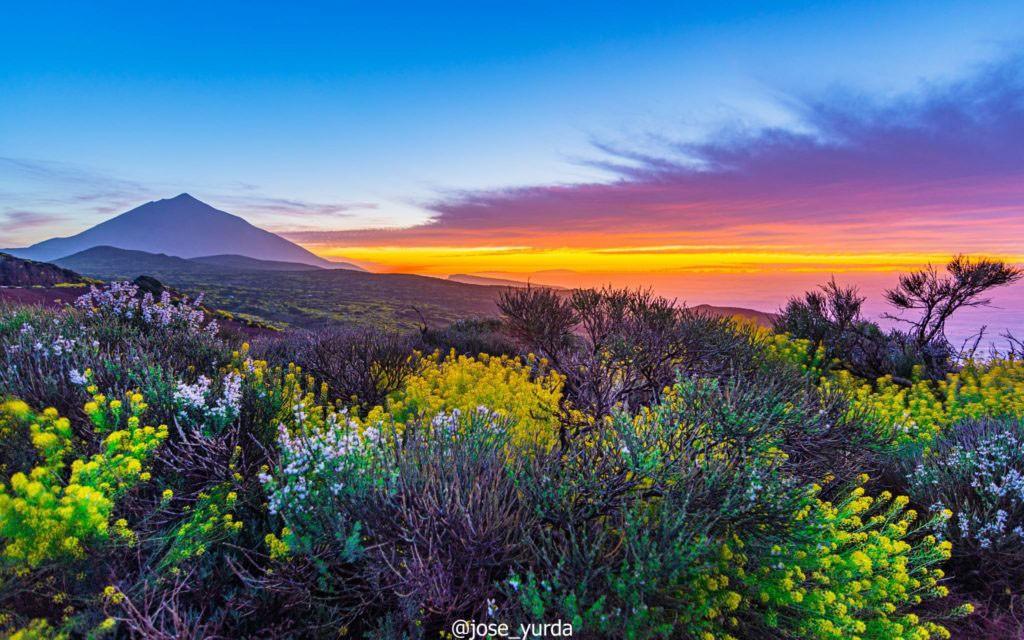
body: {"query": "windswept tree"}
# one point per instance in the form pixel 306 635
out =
pixel 832 318
pixel 936 297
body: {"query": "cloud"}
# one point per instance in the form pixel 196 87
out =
pixel 30 219
pixel 46 198
pixel 44 184
pixel 940 170
pixel 286 207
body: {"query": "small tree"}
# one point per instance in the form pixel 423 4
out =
pixel 938 297
pixel 832 318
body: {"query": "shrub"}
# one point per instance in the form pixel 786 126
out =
pixel 57 508
pixel 530 400
pixel 418 527
pixel 637 519
pixel 129 343
pixel 832 318
pixel 619 348
pixel 919 413
pixel 849 569
pixel 976 472
pixel 360 366
pixel 469 338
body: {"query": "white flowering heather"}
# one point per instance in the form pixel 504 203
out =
pixel 199 402
pixel 981 480
pixel 47 347
pixel 192 396
pixel 230 401
pixel 318 465
pixel 122 299
pixel 447 422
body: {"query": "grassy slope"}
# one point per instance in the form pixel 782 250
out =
pixel 301 298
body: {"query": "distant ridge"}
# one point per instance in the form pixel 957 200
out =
pixel 245 263
pixel 759 318
pixel 467 278
pixel 183 227
pixel 112 263
pixel 108 263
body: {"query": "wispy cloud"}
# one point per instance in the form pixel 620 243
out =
pixel 291 207
pixel 940 170
pixel 42 198
pixel 30 219
pixel 39 184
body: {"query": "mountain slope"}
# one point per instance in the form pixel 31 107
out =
pixel 17 272
pixel 245 263
pixel 308 298
pixel 181 226
pixel 315 297
pixel 111 263
pixel 468 278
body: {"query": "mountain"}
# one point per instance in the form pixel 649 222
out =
pixel 17 272
pixel 468 278
pixel 183 227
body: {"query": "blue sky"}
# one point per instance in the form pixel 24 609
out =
pixel 305 116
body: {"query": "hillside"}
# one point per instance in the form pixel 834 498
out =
pixel 18 272
pixel 245 263
pixel 111 263
pixel 314 297
pixel 467 278
pixel 181 226
pixel 289 296
pixel 759 318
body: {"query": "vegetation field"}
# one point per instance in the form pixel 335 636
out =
pixel 598 458
pixel 301 298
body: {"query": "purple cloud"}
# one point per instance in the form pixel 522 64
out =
pixel 939 170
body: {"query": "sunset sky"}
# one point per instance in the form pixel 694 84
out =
pixel 720 152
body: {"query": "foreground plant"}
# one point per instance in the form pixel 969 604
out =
pixel 55 512
pixel 975 474
pixel 854 568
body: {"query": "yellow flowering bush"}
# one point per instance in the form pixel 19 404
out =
pixel 57 507
pixel 210 521
pixel 922 411
pixel 503 385
pixel 798 351
pixel 37 629
pixel 851 570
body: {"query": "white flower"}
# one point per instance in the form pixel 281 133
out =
pixel 192 395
